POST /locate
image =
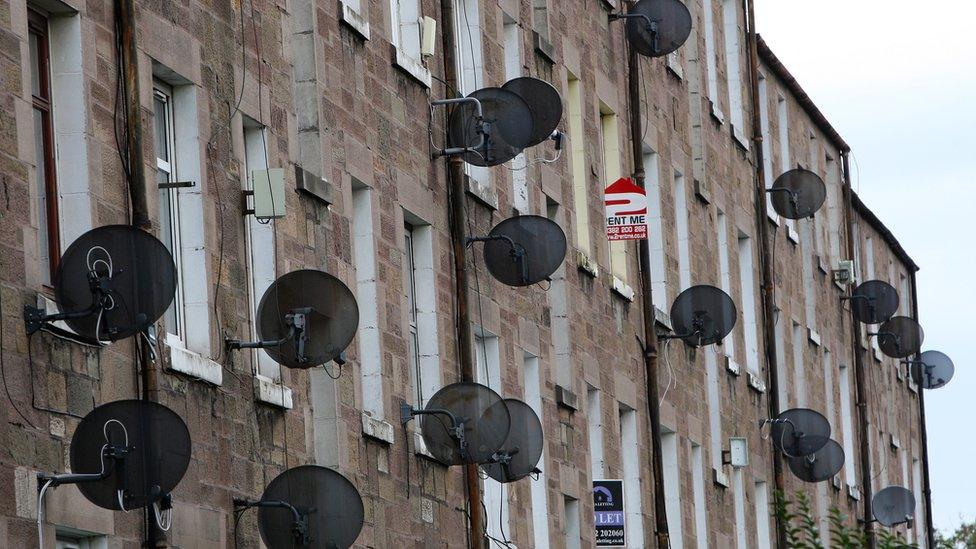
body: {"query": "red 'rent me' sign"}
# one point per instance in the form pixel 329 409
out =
pixel 626 206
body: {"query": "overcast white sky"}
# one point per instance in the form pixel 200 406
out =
pixel 897 79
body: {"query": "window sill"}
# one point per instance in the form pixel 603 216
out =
pixel 354 20
pixel 703 191
pixel 853 492
pixel 771 214
pixel 60 328
pixel 719 478
pixel 740 138
pixel 377 429
pixel 814 336
pixel 622 289
pixel 269 391
pixel 482 192
pixel 792 234
pixel 662 319
pixel 835 483
pixel 717 114
pixel 822 265
pixel 192 364
pixel 756 383
pixel 544 48
pixel 587 265
pixel 415 69
pixel 732 367
pixel 674 66
pixel 420 448
pixel 877 354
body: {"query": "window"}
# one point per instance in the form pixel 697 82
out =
pixel 807 257
pixel 711 71
pixel 488 372
pixel 364 259
pixel 768 175
pixel 833 213
pixel 577 142
pixel 763 540
pixel 610 137
pixel 681 228
pixel 714 409
pixel 785 162
pixel 725 272
pixel 513 69
pixel 471 69
pixel 672 485
pixel 799 369
pixel 918 530
pixel 169 204
pixel 779 341
pixel 571 522
pixel 730 17
pixel 540 18
pixel 405 30
pixel 655 228
pixel 260 242
pixel 847 425
pixel 594 424
pixel 747 279
pixel 70 538
pixel 421 308
pixel 540 503
pixel 631 463
pixel 45 172
pixel 559 302
pixel 698 486
pixel 739 504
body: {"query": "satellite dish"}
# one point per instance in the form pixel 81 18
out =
pixel 522 450
pixel 465 423
pixel 702 315
pixel 544 102
pixel 798 194
pixel 800 432
pixel 305 319
pixel 505 130
pixel 819 466
pixel 524 250
pixel 656 28
pixel 936 369
pixel 900 337
pixel 874 302
pixel 310 507
pixel 893 506
pixel 111 283
pixel 143 446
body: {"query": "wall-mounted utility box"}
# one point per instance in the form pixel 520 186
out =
pixel 738 452
pixel 269 193
pixel 845 274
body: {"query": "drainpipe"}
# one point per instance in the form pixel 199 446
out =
pixel 926 487
pixel 456 194
pixel 647 305
pixel 864 448
pixel 768 269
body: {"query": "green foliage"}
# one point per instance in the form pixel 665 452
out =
pixel 963 538
pixel 803 531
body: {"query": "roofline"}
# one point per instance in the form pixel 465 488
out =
pixel 769 58
pixel 861 208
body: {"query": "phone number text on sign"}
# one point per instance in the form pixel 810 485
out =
pixel 627 232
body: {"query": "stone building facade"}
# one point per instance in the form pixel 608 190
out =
pixel 337 93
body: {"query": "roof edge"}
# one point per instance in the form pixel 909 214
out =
pixel 769 58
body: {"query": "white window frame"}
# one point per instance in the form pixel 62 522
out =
pixel 163 94
pixel 406 24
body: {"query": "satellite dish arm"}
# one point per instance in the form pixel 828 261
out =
pixel 299 522
pixel 651 25
pixel 115 454
pixel 479 120
pixel 297 321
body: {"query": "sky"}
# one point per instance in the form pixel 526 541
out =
pixel 897 80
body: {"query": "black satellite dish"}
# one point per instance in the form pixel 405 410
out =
pixel 463 423
pixel 893 506
pixel 506 127
pixel 873 302
pixel 309 507
pixel 820 465
pixel 900 337
pixel 544 102
pixel 799 432
pixel 798 194
pixel 522 450
pixel 524 250
pixel 656 28
pixel 111 283
pixel 143 448
pixel 305 319
pixel 936 369
pixel 702 315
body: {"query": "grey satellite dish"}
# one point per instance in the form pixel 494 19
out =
pixel 900 337
pixel 799 432
pixel 893 506
pixel 820 465
pixel 656 28
pixel 702 315
pixel 798 194
pixel 305 319
pixel 935 369
pixel 524 250
pixel 522 450
pixel 309 507
pixel 544 102
pixel 873 302
pixel 463 423
pixel 506 127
